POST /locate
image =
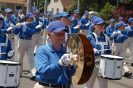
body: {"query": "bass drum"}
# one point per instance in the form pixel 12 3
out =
pixel 79 44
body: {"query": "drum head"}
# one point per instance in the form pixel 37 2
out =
pixel 79 44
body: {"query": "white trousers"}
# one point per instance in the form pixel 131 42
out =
pixel 120 51
pixel 26 45
pixel 37 40
pixel 37 85
pixel 12 44
pixel 103 83
pixel 45 35
pixel 129 43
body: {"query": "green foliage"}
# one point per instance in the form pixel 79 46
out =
pixel 106 12
pixel 72 7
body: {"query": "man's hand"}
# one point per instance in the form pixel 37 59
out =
pixel 64 60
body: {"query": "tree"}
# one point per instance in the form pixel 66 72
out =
pixel 106 12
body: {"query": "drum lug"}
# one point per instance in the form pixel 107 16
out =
pixel 105 67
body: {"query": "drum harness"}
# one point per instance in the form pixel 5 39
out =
pixel 4 44
pixel 97 60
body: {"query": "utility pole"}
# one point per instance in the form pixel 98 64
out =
pixel 37 3
pixel 29 5
pixel 78 6
pixel 45 6
pixel 117 3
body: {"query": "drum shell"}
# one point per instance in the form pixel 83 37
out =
pixel 10 74
pixel 110 68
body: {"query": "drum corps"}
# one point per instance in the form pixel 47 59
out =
pixel 43 38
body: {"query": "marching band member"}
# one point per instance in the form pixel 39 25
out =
pixel 37 38
pixel 90 29
pixel 53 68
pixel 119 36
pixel 85 23
pixel 75 27
pixel 5 45
pixel 129 41
pixel 8 25
pixel 33 8
pixel 46 22
pixel 110 29
pixel 21 15
pixel 55 17
pixel 63 17
pixel 15 16
pixel 120 19
pixel 25 31
pixel 99 41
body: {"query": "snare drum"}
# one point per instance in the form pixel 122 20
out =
pixel 9 73
pixel 110 67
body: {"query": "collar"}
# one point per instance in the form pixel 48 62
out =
pixel 51 48
pixel 6 19
pixel 98 35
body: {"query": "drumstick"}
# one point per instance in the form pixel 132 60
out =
pixel 103 50
pixel 2 53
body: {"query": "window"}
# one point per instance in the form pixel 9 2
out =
pixel 19 7
pixel 52 10
pixel 57 10
pixel 2 6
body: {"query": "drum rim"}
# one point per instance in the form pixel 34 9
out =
pixel 111 58
pixel 4 62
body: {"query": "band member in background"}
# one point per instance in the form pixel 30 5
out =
pixel 46 22
pixel 63 17
pixel 99 41
pixel 53 68
pixel 26 31
pixel 85 23
pixel 15 16
pixel 75 27
pixel 5 45
pixel 120 36
pixel 21 16
pixel 55 17
pixel 90 29
pixel 110 29
pixel 7 27
pixel 129 41
pixel 37 38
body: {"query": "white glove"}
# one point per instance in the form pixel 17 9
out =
pixel 114 33
pixel 87 24
pixel 119 32
pixel 64 60
pixel 40 23
pixel 10 28
pixel 128 28
pixel 12 25
pixel 38 26
pixel 113 48
pixel 47 27
pixel 95 50
pixel 10 53
pixel 76 27
pixel 74 58
pixel 18 25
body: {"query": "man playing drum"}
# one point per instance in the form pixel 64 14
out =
pixel 53 65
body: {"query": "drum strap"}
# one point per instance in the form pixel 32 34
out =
pixel 100 43
pixel 6 39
